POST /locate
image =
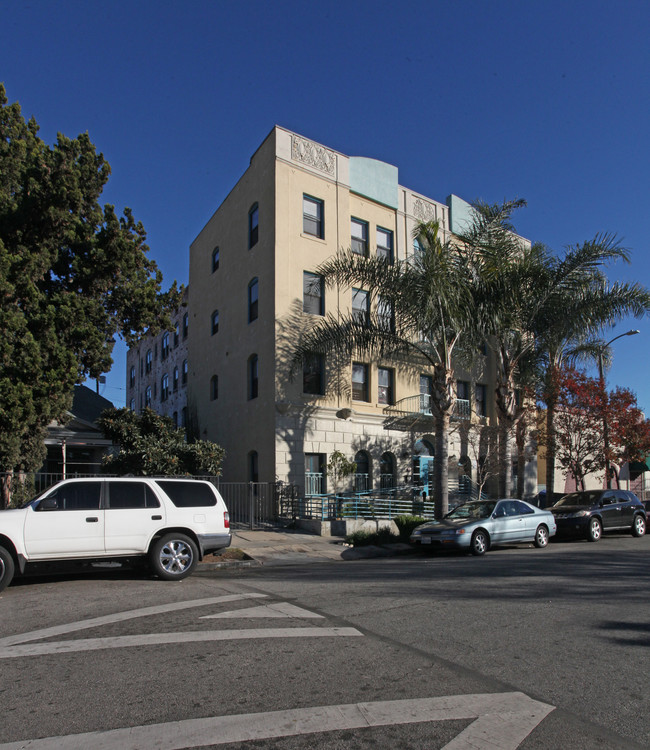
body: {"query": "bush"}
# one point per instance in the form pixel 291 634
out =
pixel 364 538
pixel 406 524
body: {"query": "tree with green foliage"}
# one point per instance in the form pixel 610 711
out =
pixel 420 310
pixel 149 445
pixel 73 276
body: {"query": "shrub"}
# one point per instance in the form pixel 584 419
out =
pixel 406 524
pixel 363 538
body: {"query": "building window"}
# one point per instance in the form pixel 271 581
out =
pixel 463 406
pixel 186 325
pixel 313 374
pixel 385 381
pixel 215 259
pixel 184 373
pixel 426 391
pixel 387 471
pixel 214 388
pixel 253 467
pixel 148 361
pixel 418 251
pixel 314 473
pixel 462 390
pixel 360 306
pixel 480 398
pixel 359 231
pixel 175 420
pixel 385 244
pixel 385 314
pixel 132 404
pixel 252 300
pixel 164 387
pixel 214 322
pixel 132 377
pixel 164 347
pixel 147 396
pixel 176 334
pixel 253 225
pixel 253 377
pixel 312 216
pixel 313 299
pixel 175 379
pixel 359 382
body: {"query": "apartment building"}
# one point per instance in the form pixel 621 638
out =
pixel 254 287
pixel 157 370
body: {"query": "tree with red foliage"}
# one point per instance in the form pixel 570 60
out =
pixel 583 405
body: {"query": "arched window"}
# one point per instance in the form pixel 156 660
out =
pixel 132 377
pixel 175 379
pixel 215 259
pixel 214 322
pixel 253 225
pixel 253 376
pixel 214 388
pixel 147 396
pixel 164 347
pixel 132 404
pixel 252 300
pixel 362 477
pixel 387 471
pixel 149 361
pixel 184 373
pixel 186 325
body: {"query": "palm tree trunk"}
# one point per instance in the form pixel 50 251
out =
pixel 505 450
pixel 441 465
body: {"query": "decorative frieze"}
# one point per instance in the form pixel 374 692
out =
pixel 313 155
pixel 423 210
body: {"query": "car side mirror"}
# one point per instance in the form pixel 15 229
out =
pixel 48 503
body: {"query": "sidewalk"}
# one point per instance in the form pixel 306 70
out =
pixel 275 547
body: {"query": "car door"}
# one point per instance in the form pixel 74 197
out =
pixel 68 522
pixel 626 503
pixel 610 510
pixel 530 518
pixel 507 524
pixel 133 514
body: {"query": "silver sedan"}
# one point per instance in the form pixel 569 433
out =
pixel 479 524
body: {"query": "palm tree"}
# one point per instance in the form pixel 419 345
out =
pixel 537 309
pixel 432 306
pixel 589 305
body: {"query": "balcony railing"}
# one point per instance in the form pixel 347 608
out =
pixel 420 405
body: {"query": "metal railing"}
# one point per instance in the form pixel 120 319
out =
pixel 421 404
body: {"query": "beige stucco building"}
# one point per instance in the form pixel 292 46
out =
pixel 253 288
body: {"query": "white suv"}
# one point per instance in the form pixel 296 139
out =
pixel 171 523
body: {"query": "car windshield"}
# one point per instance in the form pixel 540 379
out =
pixel 580 498
pixel 477 509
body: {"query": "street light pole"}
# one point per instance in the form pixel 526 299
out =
pixel 601 374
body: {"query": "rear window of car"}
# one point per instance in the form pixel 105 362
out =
pixel 188 494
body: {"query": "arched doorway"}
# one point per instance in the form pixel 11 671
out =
pixel 423 466
pixel 362 476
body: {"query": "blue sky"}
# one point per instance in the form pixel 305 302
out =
pixel 547 101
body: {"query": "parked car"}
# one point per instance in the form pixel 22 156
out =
pixel 170 523
pixel 480 524
pixel 590 513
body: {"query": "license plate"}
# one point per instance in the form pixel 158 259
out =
pixel 426 540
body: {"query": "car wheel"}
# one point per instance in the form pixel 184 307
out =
pixel 594 530
pixel 173 557
pixel 480 542
pixel 638 526
pixel 541 536
pixel 7 568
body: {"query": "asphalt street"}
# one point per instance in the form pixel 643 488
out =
pixel 521 648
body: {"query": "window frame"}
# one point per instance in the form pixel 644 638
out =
pixel 360 242
pixel 164 387
pixel 313 378
pixel 361 313
pixel 214 322
pixel 365 383
pixel 253 225
pixel 389 390
pixel 311 280
pixel 318 221
pixel 386 251
pixel 214 388
pixel 215 259
pixel 253 304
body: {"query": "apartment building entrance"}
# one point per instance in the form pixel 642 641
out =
pixel 423 467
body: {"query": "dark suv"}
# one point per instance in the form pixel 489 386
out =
pixel 590 513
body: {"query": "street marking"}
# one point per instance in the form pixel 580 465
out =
pixel 280 609
pixel 503 720
pixel 96 622
pixel 154 639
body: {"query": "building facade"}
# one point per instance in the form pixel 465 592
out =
pixel 254 287
pixel 157 370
